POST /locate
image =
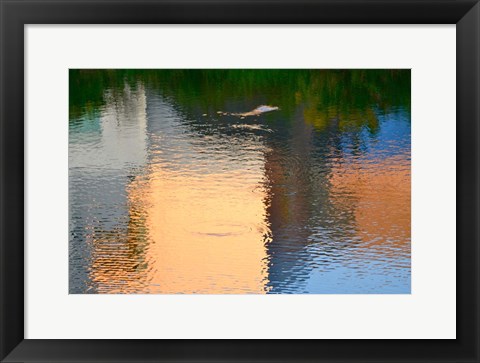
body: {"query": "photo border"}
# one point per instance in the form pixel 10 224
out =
pixel 16 14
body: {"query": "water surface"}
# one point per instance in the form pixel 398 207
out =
pixel 172 192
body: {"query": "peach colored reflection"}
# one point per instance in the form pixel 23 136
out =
pixel 207 231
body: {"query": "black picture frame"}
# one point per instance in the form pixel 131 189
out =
pixel 15 14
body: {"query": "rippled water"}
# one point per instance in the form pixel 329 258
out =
pixel 172 192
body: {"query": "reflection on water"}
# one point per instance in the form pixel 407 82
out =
pixel 172 192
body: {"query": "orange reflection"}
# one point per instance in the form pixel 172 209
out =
pixel 187 234
pixel 118 264
pixel 207 232
pixel 379 195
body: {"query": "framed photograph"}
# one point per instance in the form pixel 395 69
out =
pixel 239 181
